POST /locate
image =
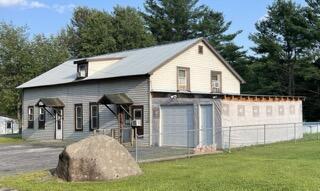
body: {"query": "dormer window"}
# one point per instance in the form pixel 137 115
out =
pixel 82 68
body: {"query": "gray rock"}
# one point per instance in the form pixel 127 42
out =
pixel 98 157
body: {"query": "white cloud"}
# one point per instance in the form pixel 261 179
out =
pixel 37 4
pixel 11 3
pixel 27 4
pixel 63 8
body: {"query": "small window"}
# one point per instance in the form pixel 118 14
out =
pixel 9 125
pixel 137 115
pixel 183 79
pixel 78 117
pixel 82 70
pixel 94 116
pixel 42 118
pixel 30 117
pixel 200 49
pixel 216 82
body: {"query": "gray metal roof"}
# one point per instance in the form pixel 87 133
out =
pixel 50 102
pixel 134 62
pixel 119 99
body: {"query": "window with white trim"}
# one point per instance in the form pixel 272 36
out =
pixel 42 118
pixel 216 86
pixel 94 116
pixel 183 79
pixel 78 117
pixel 30 117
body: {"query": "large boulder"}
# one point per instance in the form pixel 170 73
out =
pixel 98 157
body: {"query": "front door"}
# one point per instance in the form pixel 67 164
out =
pixel 59 123
pixel 125 125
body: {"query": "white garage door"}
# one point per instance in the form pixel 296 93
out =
pixel 177 126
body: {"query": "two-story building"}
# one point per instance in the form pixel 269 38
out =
pixel 164 91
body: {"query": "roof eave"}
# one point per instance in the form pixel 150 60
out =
pixel 226 63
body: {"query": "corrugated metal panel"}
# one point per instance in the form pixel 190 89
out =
pixel 136 88
pixel 134 62
pixel 177 125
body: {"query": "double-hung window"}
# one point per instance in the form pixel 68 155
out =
pixel 94 116
pixel 183 79
pixel 78 111
pixel 41 118
pixel 30 117
pixel 216 86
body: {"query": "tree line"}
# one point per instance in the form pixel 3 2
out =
pixel 285 58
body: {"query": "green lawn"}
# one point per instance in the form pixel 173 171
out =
pixel 282 166
pixel 11 139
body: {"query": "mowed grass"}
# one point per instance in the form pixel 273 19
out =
pixel 282 166
pixel 11 139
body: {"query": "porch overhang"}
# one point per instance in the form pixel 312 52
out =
pixel 117 99
pixel 50 102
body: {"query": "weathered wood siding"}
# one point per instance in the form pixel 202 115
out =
pixel 165 78
pixel 137 89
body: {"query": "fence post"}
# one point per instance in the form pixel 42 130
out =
pixel 136 148
pixel 295 133
pixel 264 134
pixel 317 131
pixel 188 152
pixel 132 136
pixel 230 139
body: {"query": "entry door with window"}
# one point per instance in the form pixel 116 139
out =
pixel 59 123
pixel 124 123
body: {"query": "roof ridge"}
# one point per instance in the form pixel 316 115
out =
pixel 153 46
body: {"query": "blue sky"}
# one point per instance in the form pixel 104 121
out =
pixel 48 16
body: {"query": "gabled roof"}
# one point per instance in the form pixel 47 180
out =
pixel 135 62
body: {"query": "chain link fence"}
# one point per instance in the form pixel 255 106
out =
pixel 187 143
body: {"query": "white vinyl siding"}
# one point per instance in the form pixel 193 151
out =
pixel 201 65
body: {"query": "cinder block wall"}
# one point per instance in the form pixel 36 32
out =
pixel 246 119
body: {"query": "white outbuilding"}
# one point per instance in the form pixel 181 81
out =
pixel 8 126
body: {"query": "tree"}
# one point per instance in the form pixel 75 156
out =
pixel 130 31
pixel 14 61
pixel 22 59
pixel 283 41
pixel 48 52
pixel 170 20
pixel 176 20
pixel 90 33
pixel 287 48
pixel 93 32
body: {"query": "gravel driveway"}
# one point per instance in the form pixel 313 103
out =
pixel 20 158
